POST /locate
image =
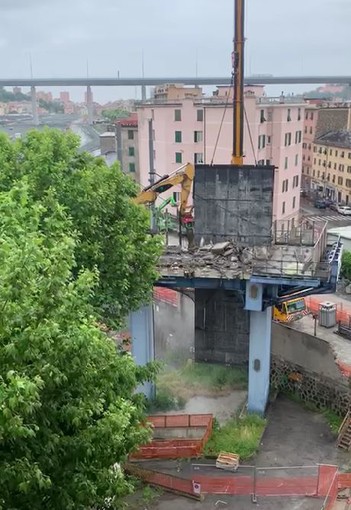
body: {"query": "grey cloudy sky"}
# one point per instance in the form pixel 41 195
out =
pixel 283 37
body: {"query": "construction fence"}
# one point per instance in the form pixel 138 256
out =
pixel 343 312
pixel 192 430
pixel 169 296
pixel 307 481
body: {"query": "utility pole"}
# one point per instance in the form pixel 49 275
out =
pixel 152 174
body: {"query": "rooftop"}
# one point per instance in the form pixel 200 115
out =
pixel 340 139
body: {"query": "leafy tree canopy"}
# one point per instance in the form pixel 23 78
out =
pixel 67 410
pixel 112 232
pixel 7 96
pixel 118 113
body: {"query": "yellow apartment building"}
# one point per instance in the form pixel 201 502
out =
pixel 331 166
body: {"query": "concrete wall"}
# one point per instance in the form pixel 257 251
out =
pixel 221 327
pixel 174 329
pixel 313 354
pixel 234 204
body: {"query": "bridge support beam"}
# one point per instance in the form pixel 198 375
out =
pixel 33 93
pixel 141 326
pixel 259 349
pixel 143 92
pixel 90 105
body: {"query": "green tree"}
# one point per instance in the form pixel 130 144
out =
pixel 116 114
pixel 51 106
pixel 67 410
pixel 346 265
pixel 112 231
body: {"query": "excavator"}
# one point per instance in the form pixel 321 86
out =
pixel 184 176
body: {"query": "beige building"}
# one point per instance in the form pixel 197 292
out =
pixel 174 91
pixel 128 146
pixel 320 118
pixel 331 166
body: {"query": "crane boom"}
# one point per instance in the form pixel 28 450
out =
pixel 238 77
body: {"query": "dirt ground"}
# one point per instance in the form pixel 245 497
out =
pixel 294 437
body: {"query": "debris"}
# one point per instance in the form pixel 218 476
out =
pixel 219 248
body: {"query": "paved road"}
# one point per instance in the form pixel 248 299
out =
pixel 332 217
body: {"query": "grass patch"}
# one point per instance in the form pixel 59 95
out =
pixel 201 379
pixel 165 401
pixel 333 419
pixel 238 435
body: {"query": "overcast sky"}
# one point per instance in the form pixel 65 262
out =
pixel 283 37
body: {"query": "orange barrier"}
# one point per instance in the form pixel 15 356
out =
pixel 344 480
pixel 321 482
pixel 172 297
pixel 176 448
pixel 343 312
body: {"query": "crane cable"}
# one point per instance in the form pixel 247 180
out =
pixel 222 121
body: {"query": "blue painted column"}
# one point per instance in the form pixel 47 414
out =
pixel 259 349
pixel 141 326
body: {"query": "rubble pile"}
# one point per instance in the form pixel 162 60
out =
pixel 227 258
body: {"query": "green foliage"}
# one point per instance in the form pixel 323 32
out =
pixel 116 114
pixel 346 265
pixel 238 435
pixel 112 232
pixel 51 106
pixel 165 401
pixel 68 411
pixel 7 97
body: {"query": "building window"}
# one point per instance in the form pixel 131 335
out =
pixel 349 169
pixel 311 116
pixel 336 153
pixel 340 181
pixel 176 196
pixel 178 136
pixel 153 114
pixel 306 115
pixel 341 168
pixel 198 158
pixel 303 158
pixel 335 166
pixel 305 129
pixel 178 157
pixel 304 145
pixel 296 159
pixel 298 138
pixel 288 117
pixel 314 161
pixel 311 130
pixel 177 115
pixel 309 158
pixel 285 185
pixel 330 152
pixel 309 146
pixel 318 174
pixel 198 136
pixel 348 183
pixel 295 181
pixel 342 155
pixel 349 155
pixel 329 164
pixel 132 167
pixel 262 117
pixel 287 139
pixel 131 151
pixel 314 148
pixel 299 114
pixel 319 162
pixel 294 202
pixel 283 208
pixel 130 134
pixel 286 161
pixel 200 115
pixel 268 140
pixel 262 141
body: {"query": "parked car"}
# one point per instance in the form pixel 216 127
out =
pixel 320 204
pixel 345 210
pixel 333 206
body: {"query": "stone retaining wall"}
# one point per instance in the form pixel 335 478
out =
pixel 310 387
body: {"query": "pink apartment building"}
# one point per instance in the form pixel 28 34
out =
pixel 199 130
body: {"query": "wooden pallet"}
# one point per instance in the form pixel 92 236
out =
pixel 228 461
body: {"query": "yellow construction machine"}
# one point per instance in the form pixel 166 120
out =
pixel 183 176
pixel 290 310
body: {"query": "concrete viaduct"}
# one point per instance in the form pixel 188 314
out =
pixel 144 82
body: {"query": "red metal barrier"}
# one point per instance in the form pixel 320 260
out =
pixel 176 448
pixel 165 295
